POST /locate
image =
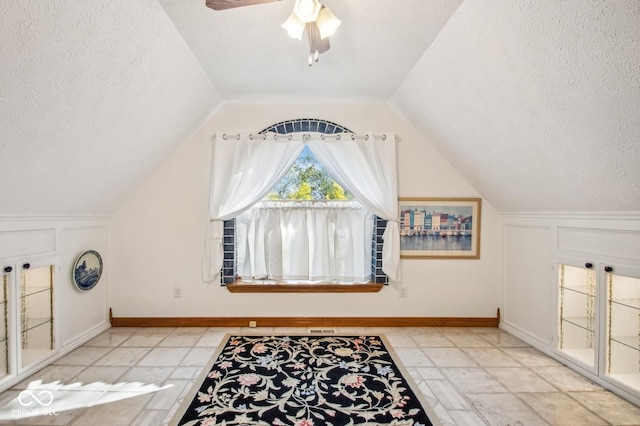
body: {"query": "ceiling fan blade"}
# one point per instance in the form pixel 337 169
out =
pixel 230 4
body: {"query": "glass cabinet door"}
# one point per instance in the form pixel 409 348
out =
pixel 36 312
pixel 577 313
pixel 5 285
pixel 623 328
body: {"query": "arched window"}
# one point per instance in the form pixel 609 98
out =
pixel 230 265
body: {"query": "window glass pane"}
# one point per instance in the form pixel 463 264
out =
pixel 307 179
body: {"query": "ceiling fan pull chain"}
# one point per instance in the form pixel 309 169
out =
pixel 313 57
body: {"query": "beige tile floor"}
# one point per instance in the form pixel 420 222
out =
pixel 471 376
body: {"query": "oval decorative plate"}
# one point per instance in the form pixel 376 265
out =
pixel 87 270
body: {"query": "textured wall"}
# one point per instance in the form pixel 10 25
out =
pixel 536 103
pixel 93 95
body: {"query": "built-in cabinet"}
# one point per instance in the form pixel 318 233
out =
pixel 599 319
pixel 27 326
pixel 623 331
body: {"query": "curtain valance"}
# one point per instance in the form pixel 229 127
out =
pixel 245 168
pixel 305 241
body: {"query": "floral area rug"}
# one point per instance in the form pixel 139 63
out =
pixel 304 381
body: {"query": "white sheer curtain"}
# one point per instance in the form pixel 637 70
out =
pixel 366 167
pixel 244 170
pixel 303 240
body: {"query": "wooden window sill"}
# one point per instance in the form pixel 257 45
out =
pixel 244 287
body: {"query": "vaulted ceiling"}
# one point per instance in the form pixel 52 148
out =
pixel 536 102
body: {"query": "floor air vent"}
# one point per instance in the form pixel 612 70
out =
pixel 323 331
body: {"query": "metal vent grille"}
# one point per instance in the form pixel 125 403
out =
pixel 323 331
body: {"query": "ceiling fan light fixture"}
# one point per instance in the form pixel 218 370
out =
pixel 327 22
pixel 319 22
pixel 307 10
pixel 294 26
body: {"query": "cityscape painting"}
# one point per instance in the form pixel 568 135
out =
pixel 440 228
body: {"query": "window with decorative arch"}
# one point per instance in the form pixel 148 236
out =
pixel 230 270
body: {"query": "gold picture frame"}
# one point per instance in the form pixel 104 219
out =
pixel 439 228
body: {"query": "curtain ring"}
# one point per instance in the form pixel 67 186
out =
pixel 322 136
pixel 250 136
pixel 338 137
pixel 290 136
pixel 306 138
pixel 366 137
pixel 275 136
pixel 384 137
pixel 353 137
pixel 225 136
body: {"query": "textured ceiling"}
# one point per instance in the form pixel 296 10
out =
pixel 536 103
pixel 249 57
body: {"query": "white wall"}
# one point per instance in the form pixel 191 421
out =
pixel 82 312
pixel 78 315
pixel 158 232
pixel 533 244
pixel 529 273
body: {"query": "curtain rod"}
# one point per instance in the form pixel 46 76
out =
pixel 305 137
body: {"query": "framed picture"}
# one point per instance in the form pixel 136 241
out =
pixel 440 228
pixel 87 270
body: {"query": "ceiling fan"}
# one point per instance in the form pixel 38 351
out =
pixel 316 18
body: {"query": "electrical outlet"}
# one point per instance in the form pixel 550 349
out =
pixel 403 292
pixel 253 324
pixel 177 292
